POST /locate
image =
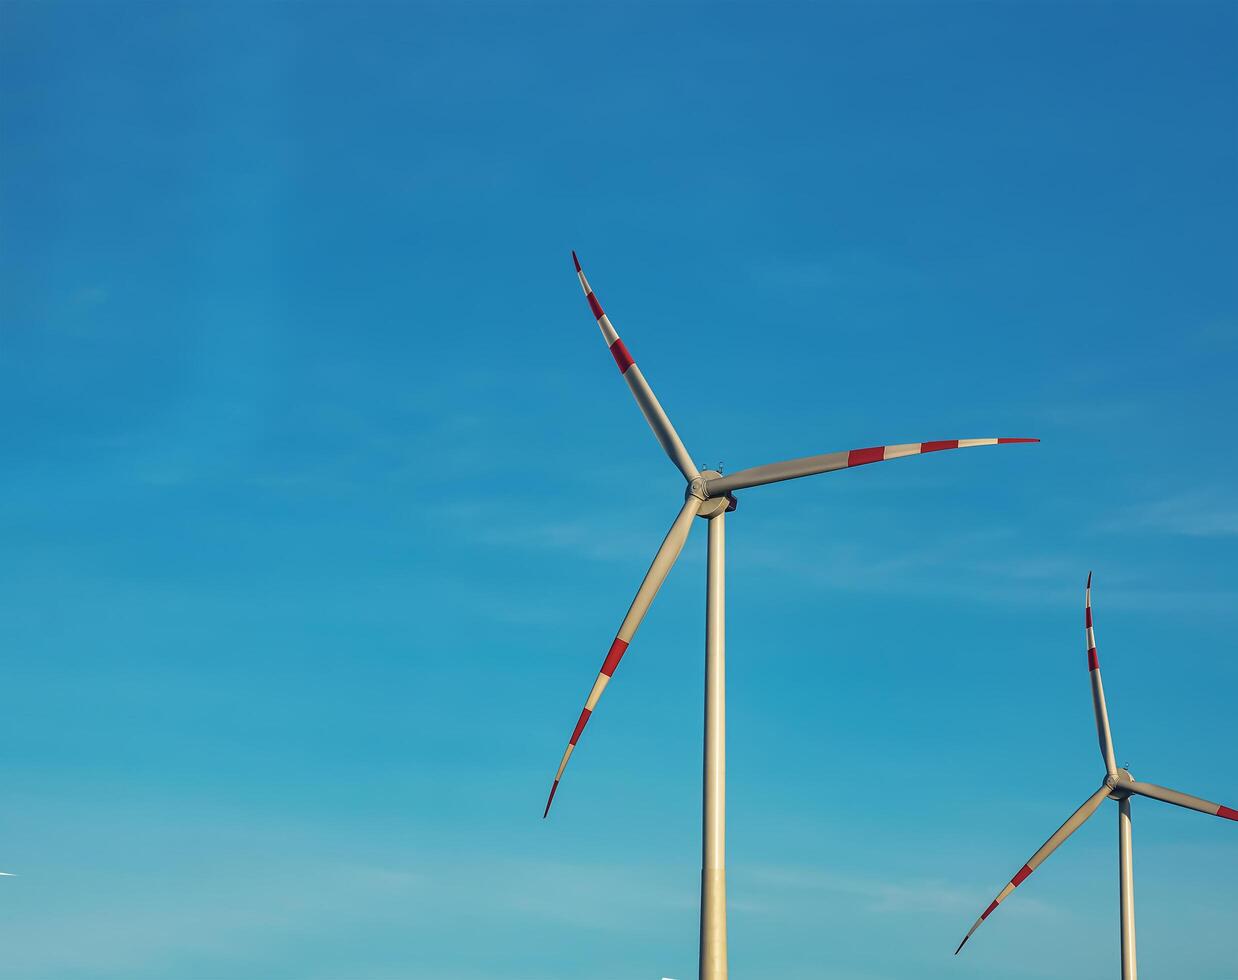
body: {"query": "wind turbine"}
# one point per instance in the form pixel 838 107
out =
pixel 709 495
pixel 1118 785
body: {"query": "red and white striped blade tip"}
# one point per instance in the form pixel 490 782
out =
pixel 550 799
pixel 877 454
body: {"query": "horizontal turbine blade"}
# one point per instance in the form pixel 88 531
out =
pixel 1098 689
pixel 810 465
pixel 1152 791
pixel 645 398
pixel 1077 819
pixel 672 545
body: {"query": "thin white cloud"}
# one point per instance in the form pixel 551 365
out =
pixel 589 534
pixel 995 562
pixel 871 893
pixel 843 269
pixel 1207 513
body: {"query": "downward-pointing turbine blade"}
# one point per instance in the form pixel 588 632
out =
pixel 1152 791
pixel 672 545
pixel 645 398
pixel 792 469
pixel 1076 820
pixel 1103 734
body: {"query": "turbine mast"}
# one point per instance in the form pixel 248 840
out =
pixel 1126 889
pixel 713 851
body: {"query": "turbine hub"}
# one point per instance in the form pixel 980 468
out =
pixel 712 506
pixel 1114 782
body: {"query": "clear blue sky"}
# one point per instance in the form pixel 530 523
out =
pixel 322 499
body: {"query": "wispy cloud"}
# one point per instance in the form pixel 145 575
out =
pixel 842 269
pixel 1220 332
pixel 233 913
pixel 588 534
pixel 872 893
pixel 1207 513
pixel 966 568
pixel 1080 415
pixel 227 913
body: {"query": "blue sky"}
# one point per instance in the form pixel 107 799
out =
pixel 322 500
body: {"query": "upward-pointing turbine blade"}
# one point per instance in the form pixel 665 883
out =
pixel 672 545
pixel 645 398
pixel 1098 689
pixel 1152 791
pixel 792 469
pixel 1077 819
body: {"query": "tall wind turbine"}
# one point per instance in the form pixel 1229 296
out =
pixel 1118 785
pixel 708 495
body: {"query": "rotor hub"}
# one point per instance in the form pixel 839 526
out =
pixel 711 507
pixel 1117 790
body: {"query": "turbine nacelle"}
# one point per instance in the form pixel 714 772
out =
pixel 1116 781
pixel 710 506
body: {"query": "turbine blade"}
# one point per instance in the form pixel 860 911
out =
pixel 792 469
pixel 1076 821
pixel 1098 689
pixel 672 545
pixel 1152 791
pixel 645 398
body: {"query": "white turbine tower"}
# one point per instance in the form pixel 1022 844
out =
pixel 1120 786
pixel 709 496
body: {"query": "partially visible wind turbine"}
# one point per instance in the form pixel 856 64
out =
pixel 709 495
pixel 1118 785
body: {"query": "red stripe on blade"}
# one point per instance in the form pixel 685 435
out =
pixel 932 447
pixel 1227 813
pixel 1003 442
pixel 1087 617
pixel 985 913
pixel 550 799
pixel 1093 660
pixel 621 355
pixel 594 305
pixel 858 457
pixel 614 656
pixel 580 725
pixel 1018 879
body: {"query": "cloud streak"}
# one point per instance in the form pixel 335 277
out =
pixel 1208 513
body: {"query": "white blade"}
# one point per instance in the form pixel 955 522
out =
pixel 1098 689
pixel 649 406
pixel 672 545
pixel 1077 819
pixel 1152 791
pixel 792 469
